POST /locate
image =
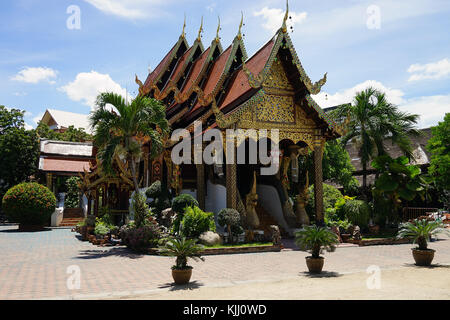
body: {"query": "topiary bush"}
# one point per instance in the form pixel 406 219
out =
pixel 182 201
pixel 195 222
pixel 29 204
pixel 357 212
pixel 231 219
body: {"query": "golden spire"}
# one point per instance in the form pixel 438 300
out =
pixel 240 26
pixel 183 33
pixel 199 38
pixel 218 30
pixel 284 27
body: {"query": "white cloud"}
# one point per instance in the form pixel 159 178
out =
pixel 274 17
pixel 433 70
pixel 36 75
pixel 431 109
pixel 28 127
pixel 87 85
pixel 20 94
pixel 326 100
pixel 38 118
pixel 129 9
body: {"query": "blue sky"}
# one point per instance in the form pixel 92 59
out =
pixel 401 47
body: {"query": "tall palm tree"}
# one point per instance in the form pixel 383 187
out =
pixel 372 119
pixel 122 131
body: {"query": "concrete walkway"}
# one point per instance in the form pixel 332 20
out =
pixel 41 265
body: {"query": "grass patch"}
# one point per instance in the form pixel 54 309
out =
pixel 384 234
pixel 244 245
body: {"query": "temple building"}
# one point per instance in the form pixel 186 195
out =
pixel 225 89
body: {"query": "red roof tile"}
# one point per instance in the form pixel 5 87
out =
pixel 240 83
pixel 63 165
pixel 193 74
pixel 152 76
pixel 215 74
pixel 179 66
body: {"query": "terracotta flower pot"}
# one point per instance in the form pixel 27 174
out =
pixel 423 257
pixel 315 265
pixel 181 276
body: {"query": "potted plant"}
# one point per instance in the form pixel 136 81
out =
pixel 182 249
pixel 314 238
pixel 421 231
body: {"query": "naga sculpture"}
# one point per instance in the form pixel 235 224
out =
pixel 251 201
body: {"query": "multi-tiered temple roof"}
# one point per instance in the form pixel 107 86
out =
pixel 207 84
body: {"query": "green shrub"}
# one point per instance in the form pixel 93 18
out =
pixel 195 221
pixel 73 193
pixel 29 204
pixel 141 238
pixel 180 203
pixel 141 209
pixel 357 212
pixel 330 196
pixel 154 191
pixel 101 229
pixel 160 197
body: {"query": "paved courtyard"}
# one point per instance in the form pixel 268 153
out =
pixel 35 266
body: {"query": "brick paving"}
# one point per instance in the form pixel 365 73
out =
pixel 34 265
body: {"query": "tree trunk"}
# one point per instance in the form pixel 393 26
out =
pixel 364 165
pixel 133 173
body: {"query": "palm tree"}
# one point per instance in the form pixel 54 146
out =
pixel 372 119
pixel 122 133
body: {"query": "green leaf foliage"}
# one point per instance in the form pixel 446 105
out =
pixel 196 221
pixel 314 238
pixel 183 249
pixel 357 212
pixel 73 193
pixel 439 146
pixel 19 150
pixel 121 131
pixel 421 230
pixel 371 119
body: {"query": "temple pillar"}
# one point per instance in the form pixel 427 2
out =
pixel 201 192
pixel 231 174
pixel 231 186
pixel 49 181
pixel 318 179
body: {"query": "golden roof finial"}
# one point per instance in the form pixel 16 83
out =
pixel 284 27
pixel 199 38
pixel 183 33
pixel 240 26
pixel 218 30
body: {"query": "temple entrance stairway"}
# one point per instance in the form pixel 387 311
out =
pixel 71 217
pixel 266 220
